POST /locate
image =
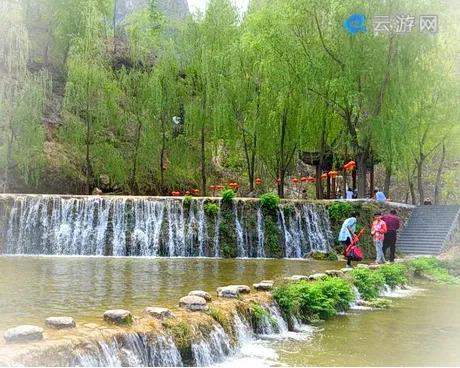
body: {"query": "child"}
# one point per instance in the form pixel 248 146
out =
pixel 378 230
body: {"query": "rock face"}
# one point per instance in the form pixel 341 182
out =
pixel 193 303
pixel 201 294
pixel 159 313
pixel 228 292
pixel 23 333
pixel 60 322
pixel 118 316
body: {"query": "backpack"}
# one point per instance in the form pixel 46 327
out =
pixel 354 253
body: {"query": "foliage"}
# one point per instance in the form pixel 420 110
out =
pixel 368 283
pixel 379 303
pixel 288 210
pixel 432 268
pixel 309 301
pixel 188 199
pixel 181 332
pixel 332 256
pixel 211 208
pixel 339 211
pixel 272 237
pixel 394 275
pixel 228 195
pixel 270 201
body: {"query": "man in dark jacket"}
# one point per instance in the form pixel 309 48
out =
pixel 392 221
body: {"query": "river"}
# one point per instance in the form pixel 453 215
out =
pixel 422 329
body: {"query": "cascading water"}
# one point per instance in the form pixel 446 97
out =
pixel 144 226
pixel 213 350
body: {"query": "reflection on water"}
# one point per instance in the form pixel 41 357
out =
pixel 34 288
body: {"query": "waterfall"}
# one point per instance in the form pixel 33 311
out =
pixel 152 227
pixel 213 350
pixel 242 252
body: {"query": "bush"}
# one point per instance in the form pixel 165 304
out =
pixel 394 275
pixel 432 268
pixel 368 283
pixel 228 195
pixel 269 201
pixel 339 211
pixel 211 209
pixel 309 301
pixel 188 200
pixel 332 256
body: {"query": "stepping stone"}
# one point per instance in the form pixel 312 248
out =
pixel 318 276
pixel 362 265
pixel 60 322
pixel 345 270
pixel 228 292
pixel 334 273
pixel 202 294
pixel 193 303
pixel 300 277
pixel 159 313
pixel 263 286
pixel 118 316
pixel 23 333
pixel 267 282
pixel 243 289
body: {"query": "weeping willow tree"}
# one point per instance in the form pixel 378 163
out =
pixel 92 125
pixel 22 100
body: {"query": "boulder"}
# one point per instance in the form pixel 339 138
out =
pixel 345 270
pixel 118 316
pixel 159 313
pixel 334 273
pixel 193 303
pixel 228 292
pixel 262 286
pixel 267 282
pixel 60 322
pixel 97 191
pixel 243 289
pixel 318 276
pixel 362 265
pixel 300 277
pixel 23 333
pixel 202 294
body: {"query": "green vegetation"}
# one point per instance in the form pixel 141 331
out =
pixel 368 283
pixel 269 201
pixel 188 199
pixel 272 237
pixel 154 104
pixel 332 256
pixel 379 303
pixel 228 195
pixel 211 209
pixel 181 332
pixel 432 268
pixel 309 301
pixel 339 211
pixel 394 275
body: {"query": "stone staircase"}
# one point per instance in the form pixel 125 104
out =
pixel 429 230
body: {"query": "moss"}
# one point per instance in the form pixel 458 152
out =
pixel 379 303
pixel 181 333
pixel 188 199
pixel 211 209
pixel 272 237
pixel 289 210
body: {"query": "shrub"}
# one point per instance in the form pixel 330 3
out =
pixel 228 195
pixel 339 211
pixel 394 275
pixel 211 209
pixel 289 210
pixel 432 268
pixel 367 282
pixel 188 200
pixel 269 201
pixel 332 256
pixel 309 301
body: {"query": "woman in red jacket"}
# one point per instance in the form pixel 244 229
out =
pixel 378 230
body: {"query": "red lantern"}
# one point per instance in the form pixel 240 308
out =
pixel 303 179
pixel 196 191
pixel 278 180
pixel 350 166
pixel 258 181
pixel 295 180
pixel 212 187
pixel 324 176
pixel 219 187
pixel 332 174
pixel 187 192
pixel 311 179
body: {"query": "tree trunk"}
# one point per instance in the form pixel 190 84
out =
pixel 319 186
pixel 412 191
pixel 421 191
pixel 438 175
pixel 328 187
pixel 203 161
pixel 353 180
pixel 334 191
pixel 132 188
pixel 371 181
pixel 386 188
pixel 362 174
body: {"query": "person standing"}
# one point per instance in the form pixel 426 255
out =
pixel 392 221
pixel 349 194
pixel 378 230
pixel 379 196
pixel 347 232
